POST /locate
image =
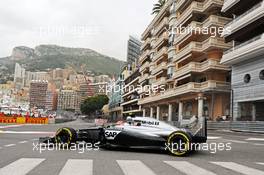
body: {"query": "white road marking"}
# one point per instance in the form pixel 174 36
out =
pixel 23 142
pixel 239 168
pixel 26 132
pixel 10 126
pixel 255 139
pixel 188 168
pixel 260 163
pixel 77 167
pixel 134 167
pixel 213 138
pixel 235 141
pixel 10 145
pixel 21 166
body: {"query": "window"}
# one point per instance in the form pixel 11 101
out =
pixel 261 75
pixel 247 78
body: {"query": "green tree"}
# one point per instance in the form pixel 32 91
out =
pixel 94 104
pixel 157 7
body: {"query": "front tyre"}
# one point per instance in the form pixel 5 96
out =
pixel 65 136
pixel 179 143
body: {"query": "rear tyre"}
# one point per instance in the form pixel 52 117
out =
pixel 179 143
pixel 66 136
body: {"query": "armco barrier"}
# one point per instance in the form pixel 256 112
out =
pixel 24 120
pixel 8 119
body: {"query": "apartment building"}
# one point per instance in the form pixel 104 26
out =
pixel 68 100
pixel 115 99
pixel 180 59
pixel 38 94
pixel 130 91
pixel 133 49
pixel 246 57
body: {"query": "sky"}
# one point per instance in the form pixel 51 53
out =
pixel 101 25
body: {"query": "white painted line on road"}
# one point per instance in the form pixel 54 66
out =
pixel 258 144
pixel 235 141
pixel 239 168
pixel 260 163
pixel 77 167
pixel 134 167
pixel 26 132
pixel 10 145
pixel 21 166
pixel 23 142
pixel 188 168
pixel 212 138
pixel 255 139
pixel 10 126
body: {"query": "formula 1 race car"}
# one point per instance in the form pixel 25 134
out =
pixel 138 132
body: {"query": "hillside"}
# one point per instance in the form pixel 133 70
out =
pixel 45 57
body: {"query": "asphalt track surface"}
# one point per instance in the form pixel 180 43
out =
pixel 20 155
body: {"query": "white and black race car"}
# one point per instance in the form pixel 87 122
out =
pixel 138 132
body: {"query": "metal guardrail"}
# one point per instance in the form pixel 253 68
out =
pixel 248 126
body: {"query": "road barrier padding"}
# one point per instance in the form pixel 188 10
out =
pixel 23 120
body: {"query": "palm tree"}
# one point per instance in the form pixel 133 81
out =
pixel 157 7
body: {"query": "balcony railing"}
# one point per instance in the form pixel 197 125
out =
pixel 199 67
pixel 244 51
pixel 159 82
pixel 202 46
pixel 161 25
pixel 161 52
pixel 162 38
pixel 144 66
pixel 244 14
pixel 187 88
pixel 144 56
pixel 143 78
pixel 197 6
pixel 244 44
pixel 146 42
pixel 159 68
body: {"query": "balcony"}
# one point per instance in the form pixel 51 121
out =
pixel 191 87
pixel 192 26
pixel 196 27
pixel 162 52
pixel 144 56
pixel 159 68
pixel 210 43
pixel 228 4
pixel 244 51
pixel 164 37
pixel 245 19
pixel 143 78
pixel 130 102
pixel 199 68
pixel 162 25
pixel 200 7
pixel 144 66
pixel 159 82
pixel 145 44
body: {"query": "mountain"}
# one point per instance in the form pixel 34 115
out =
pixel 44 57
